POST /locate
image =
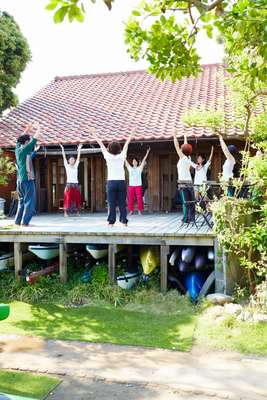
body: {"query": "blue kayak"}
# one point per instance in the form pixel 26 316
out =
pixel 193 282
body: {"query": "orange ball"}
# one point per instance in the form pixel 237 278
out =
pixel 187 149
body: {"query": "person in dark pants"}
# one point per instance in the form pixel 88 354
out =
pixel 25 175
pixel 116 186
pixel 185 179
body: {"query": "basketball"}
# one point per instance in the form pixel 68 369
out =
pixel 233 149
pixel 187 149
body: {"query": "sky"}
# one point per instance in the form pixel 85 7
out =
pixel 95 46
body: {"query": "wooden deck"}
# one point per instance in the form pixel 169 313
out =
pixel 147 229
pixel 164 230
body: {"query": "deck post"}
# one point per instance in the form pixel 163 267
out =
pixel 18 259
pixel 111 261
pixel 164 251
pixel 63 273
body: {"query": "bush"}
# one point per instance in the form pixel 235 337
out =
pixel 259 299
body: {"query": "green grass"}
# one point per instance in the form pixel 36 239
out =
pixel 243 337
pixel 102 324
pixel 25 384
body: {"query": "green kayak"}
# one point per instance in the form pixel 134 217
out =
pixel 4 312
pixel 5 396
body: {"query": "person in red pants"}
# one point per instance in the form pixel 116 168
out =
pixel 72 193
pixel 135 183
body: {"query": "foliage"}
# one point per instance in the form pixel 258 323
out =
pixel 259 299
pixel 7 168
pixel 73 9
pixel 103 324
pixel 164 33
pixel 99 291
pixel 245 36
pixel 25 384
pixel 230 334
pixel 241 225
pixel 14 56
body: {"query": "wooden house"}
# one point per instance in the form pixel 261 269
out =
pixel 115 104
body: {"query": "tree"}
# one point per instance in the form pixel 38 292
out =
pixel 73 9
pixel 7 168
pixel 164 32
pixel 14 56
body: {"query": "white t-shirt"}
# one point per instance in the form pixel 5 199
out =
pixel 183 167
pixel 72 172
pixel 135 176
pixel 200 173
pixel 115 165
pixel 228 168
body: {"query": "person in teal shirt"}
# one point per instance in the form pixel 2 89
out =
pixel 25 175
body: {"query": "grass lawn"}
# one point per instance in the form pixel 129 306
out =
pixel 102 324
pixel 25 384
pixel 243 337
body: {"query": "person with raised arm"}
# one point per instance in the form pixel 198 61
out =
pixel 228 165
pixel 115 157
pixel 135 188
pixel 72 192
pixel 201 168
pixel 25 174
pixel 184 178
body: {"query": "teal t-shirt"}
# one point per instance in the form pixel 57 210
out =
pixel 22 153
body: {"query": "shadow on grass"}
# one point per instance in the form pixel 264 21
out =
pixel 100 324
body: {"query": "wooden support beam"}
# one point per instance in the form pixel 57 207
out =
pixel 164 251
pixel 63 272
pixel 18 259
pixel 112 261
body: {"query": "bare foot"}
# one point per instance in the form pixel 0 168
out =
pixel 110 225
pixel 65 215
pixel 139 212
pixel 26 226
pixel 131 213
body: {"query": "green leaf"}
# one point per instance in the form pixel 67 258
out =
pixel 52 5
pixel 60 14
pixel 136 13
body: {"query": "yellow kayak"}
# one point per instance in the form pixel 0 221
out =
pixel 149 256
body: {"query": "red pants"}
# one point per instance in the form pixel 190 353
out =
pixel 135 191
pixel 72 197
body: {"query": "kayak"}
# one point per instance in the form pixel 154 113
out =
pixel 6 260
pixel 4 311
pixel 99 251
pixel 45 251
pixel 5 396
pixel 193 283
pixel 149 256
pixel 128 280
pixel 188 254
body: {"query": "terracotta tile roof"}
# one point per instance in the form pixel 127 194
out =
pixel 115 104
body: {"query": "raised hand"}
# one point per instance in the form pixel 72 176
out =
pixel 174 132
pixel 92 130
pixel 79 146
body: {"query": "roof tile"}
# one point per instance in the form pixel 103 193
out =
pixel 115 104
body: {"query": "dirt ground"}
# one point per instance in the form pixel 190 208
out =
pixel 88 389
